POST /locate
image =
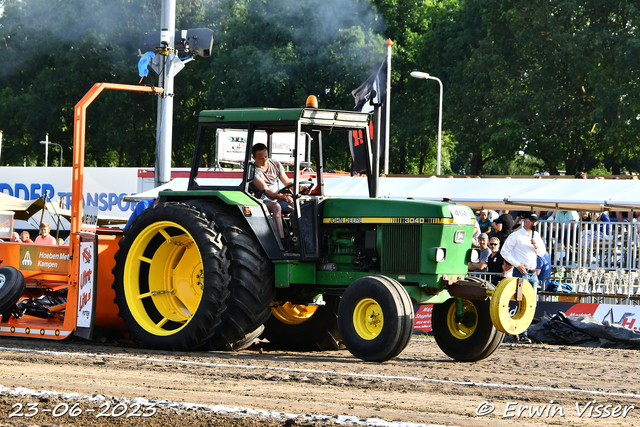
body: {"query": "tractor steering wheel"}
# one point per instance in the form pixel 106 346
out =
pixel 287 189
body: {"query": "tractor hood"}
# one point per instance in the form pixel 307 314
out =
pixel 342 210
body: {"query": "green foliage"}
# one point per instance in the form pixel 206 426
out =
pixel 519 165
pixel 555 80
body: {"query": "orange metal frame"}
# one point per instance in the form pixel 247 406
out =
pixel 79 133
pixel 49 328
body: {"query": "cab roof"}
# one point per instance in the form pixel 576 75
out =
pixel 306 116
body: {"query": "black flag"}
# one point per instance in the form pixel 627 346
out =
pixel 378 83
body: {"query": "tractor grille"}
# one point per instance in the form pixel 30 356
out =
pixel 401 248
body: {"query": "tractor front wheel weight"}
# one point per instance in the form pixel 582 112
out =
pixel 467 336
pixel 525 309
pixel 171 278
pixel 375 318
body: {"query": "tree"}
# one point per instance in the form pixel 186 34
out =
pixel 551 79
pixel 557 81
pixel 56 50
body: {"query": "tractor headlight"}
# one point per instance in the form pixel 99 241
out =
pixel 475 255
pixel 459 236
pixel 437 254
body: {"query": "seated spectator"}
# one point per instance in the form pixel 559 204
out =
pixel 543 270
pixel 561 216
pixel 484 221
pixel 581 175
pixel 481 265
pixel 622 216
pixel 602 217
pixel 476 234
pixel 45 238
pixel 517 221
pixel 25 237
pixel 502 227
pixel 15 237
pixel 564 236
pixel 495 260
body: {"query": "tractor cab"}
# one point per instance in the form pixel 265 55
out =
pixel 293 137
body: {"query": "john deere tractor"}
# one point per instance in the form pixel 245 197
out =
pixel 205 268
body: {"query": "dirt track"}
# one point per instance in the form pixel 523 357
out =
pixel 421 386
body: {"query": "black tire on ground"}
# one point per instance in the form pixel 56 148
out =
pixel 408 325
pixel 473 339
pixel 304 327
pixel 12 287
pixel 375 318
pixel 494 343
pixel 252 285
pixel 171 277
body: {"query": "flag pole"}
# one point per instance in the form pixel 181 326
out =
pixel 388 107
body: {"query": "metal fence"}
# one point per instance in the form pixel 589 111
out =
pixel 599 260
pixel 592 245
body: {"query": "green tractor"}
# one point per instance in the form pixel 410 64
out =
pixel 205 268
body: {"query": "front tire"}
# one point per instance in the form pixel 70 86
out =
pixel 470 338
pixel 171 279
pixel 375 318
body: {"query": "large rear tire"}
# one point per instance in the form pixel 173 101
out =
pixel 12 286
pixel 469 339
pixel 375 318
pixel 171 277
pixel 252 281
pixel 304 327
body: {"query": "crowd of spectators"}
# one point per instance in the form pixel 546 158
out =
pixel 44 236
pixel 563 227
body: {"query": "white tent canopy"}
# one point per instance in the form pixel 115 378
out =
pixel 481 193
pixel 503 193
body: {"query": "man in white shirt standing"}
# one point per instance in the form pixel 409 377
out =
pixel 522 249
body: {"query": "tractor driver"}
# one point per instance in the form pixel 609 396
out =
pixel 268 171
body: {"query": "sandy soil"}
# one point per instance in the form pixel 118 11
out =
pixel 116 383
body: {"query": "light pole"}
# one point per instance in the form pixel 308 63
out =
pixel 421 75
pixel 46 142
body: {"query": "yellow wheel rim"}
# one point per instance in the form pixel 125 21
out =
pixel 368 319
pixel 292 314
pixel 462 330
pixel 499 307
pixel 163 278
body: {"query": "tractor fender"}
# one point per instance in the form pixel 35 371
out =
pixel 254 212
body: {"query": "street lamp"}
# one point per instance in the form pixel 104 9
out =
pixel 46 152
pixel 421 75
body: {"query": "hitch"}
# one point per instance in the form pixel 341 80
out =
pixel 518 293
pixel 476 288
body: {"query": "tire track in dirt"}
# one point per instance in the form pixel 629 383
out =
pixel 421 386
